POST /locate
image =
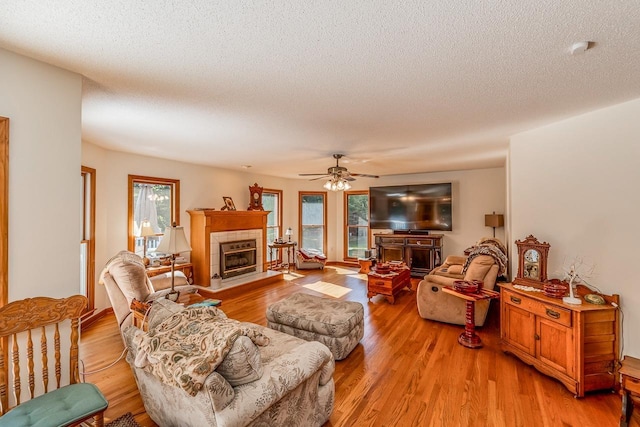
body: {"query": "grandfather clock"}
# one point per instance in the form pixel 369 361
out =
pixel 255 199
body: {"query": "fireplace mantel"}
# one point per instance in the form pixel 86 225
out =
pixel 205 222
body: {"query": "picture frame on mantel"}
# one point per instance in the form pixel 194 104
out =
pixel 228 204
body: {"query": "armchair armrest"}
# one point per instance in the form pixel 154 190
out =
pixel 183 289
pixel 451 267
pixel 455 260
pixel 433 280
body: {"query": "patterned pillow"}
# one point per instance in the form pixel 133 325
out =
pixel 242 364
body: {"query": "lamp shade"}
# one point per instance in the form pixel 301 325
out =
pixel 289 232
pixel 174 241
pixel 146 230
pixel 494 220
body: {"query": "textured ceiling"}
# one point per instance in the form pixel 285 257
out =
pixel 397 86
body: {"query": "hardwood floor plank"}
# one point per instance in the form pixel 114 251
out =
pixel 406 371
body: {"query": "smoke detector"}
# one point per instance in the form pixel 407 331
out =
pixel 579 47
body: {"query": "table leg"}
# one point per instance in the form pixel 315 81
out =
pixel 627 408
pixel 469 338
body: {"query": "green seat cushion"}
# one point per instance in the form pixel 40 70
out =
pixel 57 408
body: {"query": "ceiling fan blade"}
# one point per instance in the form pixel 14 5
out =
pixel 364 175
pixel 312 174
pixel 348 178
pixel 320 177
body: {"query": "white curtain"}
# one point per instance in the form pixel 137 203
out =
pixel 145 209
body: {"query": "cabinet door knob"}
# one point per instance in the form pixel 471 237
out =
pixel 553 314
pixel 536 336
pixel 515 300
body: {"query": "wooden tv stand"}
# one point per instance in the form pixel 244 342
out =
pixel 421 252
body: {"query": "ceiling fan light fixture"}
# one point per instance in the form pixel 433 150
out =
pixel 339 176
pixel 337 184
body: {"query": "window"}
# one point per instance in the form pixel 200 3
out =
pixel 356 215
pixel 313 219
pixel 272 202
pixel 156 200
pixel 87 232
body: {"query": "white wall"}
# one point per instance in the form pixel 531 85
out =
pixel 43 104
pixel 200 187
pixel 574 184
pixel 475 193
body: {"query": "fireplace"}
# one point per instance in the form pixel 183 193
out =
pixel 238 257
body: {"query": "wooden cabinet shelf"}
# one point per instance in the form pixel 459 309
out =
pixel 576 344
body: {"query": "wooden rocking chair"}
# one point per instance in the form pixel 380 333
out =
pixel 64 406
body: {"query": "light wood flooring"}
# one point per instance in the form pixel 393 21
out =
pixel 406 371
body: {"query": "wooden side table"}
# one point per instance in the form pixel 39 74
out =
pixel 365 265
pixel 388 285
pixel 630 379
pixel 469 338
pixel 289 247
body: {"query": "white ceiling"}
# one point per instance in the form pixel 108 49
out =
pixel 398 86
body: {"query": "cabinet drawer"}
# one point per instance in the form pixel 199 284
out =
pixel 423 242
pixel 390 240
pixel 631 384
pixel 547 311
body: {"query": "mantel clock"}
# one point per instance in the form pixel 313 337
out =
pixel 255 199
pixel 532 262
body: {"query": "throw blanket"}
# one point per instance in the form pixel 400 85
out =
pixel 491 249
pixel 187 346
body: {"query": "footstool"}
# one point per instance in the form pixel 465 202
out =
pixel 337 324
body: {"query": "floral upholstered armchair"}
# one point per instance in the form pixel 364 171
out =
pixel 252 376
pixel 125 279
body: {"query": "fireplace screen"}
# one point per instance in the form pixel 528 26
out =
pixel 237 258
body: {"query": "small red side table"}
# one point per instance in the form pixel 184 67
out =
pixel 469 338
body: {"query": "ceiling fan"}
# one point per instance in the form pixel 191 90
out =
pixel 338 172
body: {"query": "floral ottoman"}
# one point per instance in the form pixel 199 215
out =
pixel 337 324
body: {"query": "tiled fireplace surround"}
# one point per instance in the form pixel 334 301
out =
pixel 231 236
pixel 209 228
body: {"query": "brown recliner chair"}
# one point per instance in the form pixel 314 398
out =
pixel 434 304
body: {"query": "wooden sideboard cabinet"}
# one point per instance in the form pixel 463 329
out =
pixel 420 252
pixel 576 344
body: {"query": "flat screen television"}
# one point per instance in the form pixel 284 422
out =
pixel 419 207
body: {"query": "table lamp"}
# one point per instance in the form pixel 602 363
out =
pixel 173 242
pixel 289 232
pixel 145 231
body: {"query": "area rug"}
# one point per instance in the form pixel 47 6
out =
pixel 124 421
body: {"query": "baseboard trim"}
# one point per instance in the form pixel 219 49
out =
pixel 85 323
